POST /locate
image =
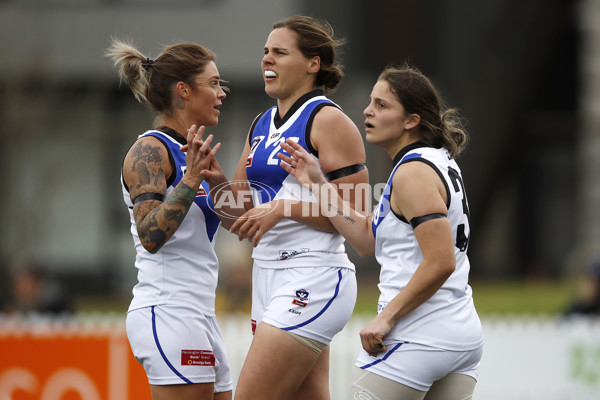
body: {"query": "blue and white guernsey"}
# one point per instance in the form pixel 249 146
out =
pixel 447 320
pixel 289 243
pixel 184 271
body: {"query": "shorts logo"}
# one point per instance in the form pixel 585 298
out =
pixel 287 254
pixel 299 303
pixel 198 357
pixel 302 294
pixel 301 297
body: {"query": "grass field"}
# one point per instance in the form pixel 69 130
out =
pixel 497 297
pixel 491 297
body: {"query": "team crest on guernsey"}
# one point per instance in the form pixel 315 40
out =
pixel 302 297
pixel 201 192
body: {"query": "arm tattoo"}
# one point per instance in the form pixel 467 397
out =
pixel 147 164
pixel 162 220
pixel 340 213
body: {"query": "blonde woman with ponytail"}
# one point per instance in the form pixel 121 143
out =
pixel 171 323
pixel 426 341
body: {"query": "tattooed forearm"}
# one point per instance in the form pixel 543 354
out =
pixel 340 213
pixel 182 195
pixel 157 223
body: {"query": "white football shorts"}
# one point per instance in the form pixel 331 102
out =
pixel 419 366
pixel 313 302
pixel 178 345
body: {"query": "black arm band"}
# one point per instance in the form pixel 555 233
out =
pixel 148 196
pixel 344 171
pixel 416 221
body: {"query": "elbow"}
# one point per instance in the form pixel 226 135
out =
pixel 447 270
pixel 152 248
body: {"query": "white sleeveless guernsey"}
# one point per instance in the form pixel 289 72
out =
pixel 184 271
pixel 447 320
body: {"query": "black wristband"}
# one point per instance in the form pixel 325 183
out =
pixel 344 171
pixel 148 196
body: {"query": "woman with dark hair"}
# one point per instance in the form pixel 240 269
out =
pixel 171 323
pixel 427 339
pixel 304 286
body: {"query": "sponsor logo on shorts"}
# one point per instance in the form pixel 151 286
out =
pixel 198 357
pixel 294 311
pixel 299 303
pixel 287 254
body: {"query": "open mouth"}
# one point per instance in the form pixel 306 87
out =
pixel 270 74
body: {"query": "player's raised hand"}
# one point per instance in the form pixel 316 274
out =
pixel 199 155
pixel 301 164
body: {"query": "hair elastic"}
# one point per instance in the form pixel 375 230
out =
pixel 147 64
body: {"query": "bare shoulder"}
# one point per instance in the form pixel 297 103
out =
pixel 332 117
pixel 146 166
pixel 417 189
pixel 337 139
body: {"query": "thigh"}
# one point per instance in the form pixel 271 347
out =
pixel 316 384
pixel 177 346
pixel 367 385
pixel 275 367
pixel 315 303
pixel 452 387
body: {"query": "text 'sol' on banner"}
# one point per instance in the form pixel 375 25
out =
pixel 42 359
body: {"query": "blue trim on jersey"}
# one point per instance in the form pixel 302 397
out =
pixel 337 290
pixel 206 205
pixel 411 156
pixel 389 353
pixel 263 169
pixel 204 202
pixel 161 350
pixel 384 206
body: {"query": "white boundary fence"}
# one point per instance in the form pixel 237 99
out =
pixel 525 357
